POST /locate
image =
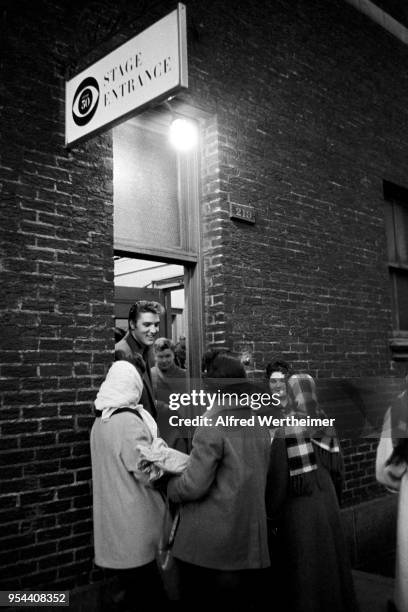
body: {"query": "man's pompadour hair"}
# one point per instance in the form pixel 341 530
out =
pixel 144 306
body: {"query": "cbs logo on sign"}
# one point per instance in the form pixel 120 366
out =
pixel 85 101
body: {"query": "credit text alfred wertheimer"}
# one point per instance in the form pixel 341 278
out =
pixel 255 401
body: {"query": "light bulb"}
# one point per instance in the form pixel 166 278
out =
pixel 183 134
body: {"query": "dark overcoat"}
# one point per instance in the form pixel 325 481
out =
pixel 222 492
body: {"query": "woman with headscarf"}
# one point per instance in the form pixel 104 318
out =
pixel 309 546
pixel 392 471
pixel 128 512
pixel 221 542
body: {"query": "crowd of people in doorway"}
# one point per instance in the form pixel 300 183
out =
pixel 256 508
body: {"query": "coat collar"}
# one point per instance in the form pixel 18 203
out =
pixel 136 346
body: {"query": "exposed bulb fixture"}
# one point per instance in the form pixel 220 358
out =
pixel 183 134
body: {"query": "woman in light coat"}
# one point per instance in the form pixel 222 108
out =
pixel 128 512
pixel 392 471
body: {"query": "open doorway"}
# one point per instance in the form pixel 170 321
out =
pixel 156 230
pixel 143 279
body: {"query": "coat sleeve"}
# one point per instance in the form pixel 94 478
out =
pixel 200 473
pixel 134 433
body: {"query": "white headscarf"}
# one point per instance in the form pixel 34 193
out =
pixel 122 388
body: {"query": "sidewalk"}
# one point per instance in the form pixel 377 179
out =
pixel 373 591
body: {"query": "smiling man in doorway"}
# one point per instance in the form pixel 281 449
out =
pixel 136 346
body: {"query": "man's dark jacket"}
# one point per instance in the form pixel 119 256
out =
pixel 127 349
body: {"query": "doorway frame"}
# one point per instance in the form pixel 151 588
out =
pixel 190 256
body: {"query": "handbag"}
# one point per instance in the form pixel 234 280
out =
pixel 166 563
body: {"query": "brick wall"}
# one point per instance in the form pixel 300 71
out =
pixel 307 131
pixel 307 99
pixel 214 222
pixel 57 335
pixel 359 464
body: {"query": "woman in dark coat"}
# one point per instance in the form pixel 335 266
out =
pixel 307 545
pixel 221 542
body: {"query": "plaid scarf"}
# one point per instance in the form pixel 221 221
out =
pixel 301 445
pixel 301 455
